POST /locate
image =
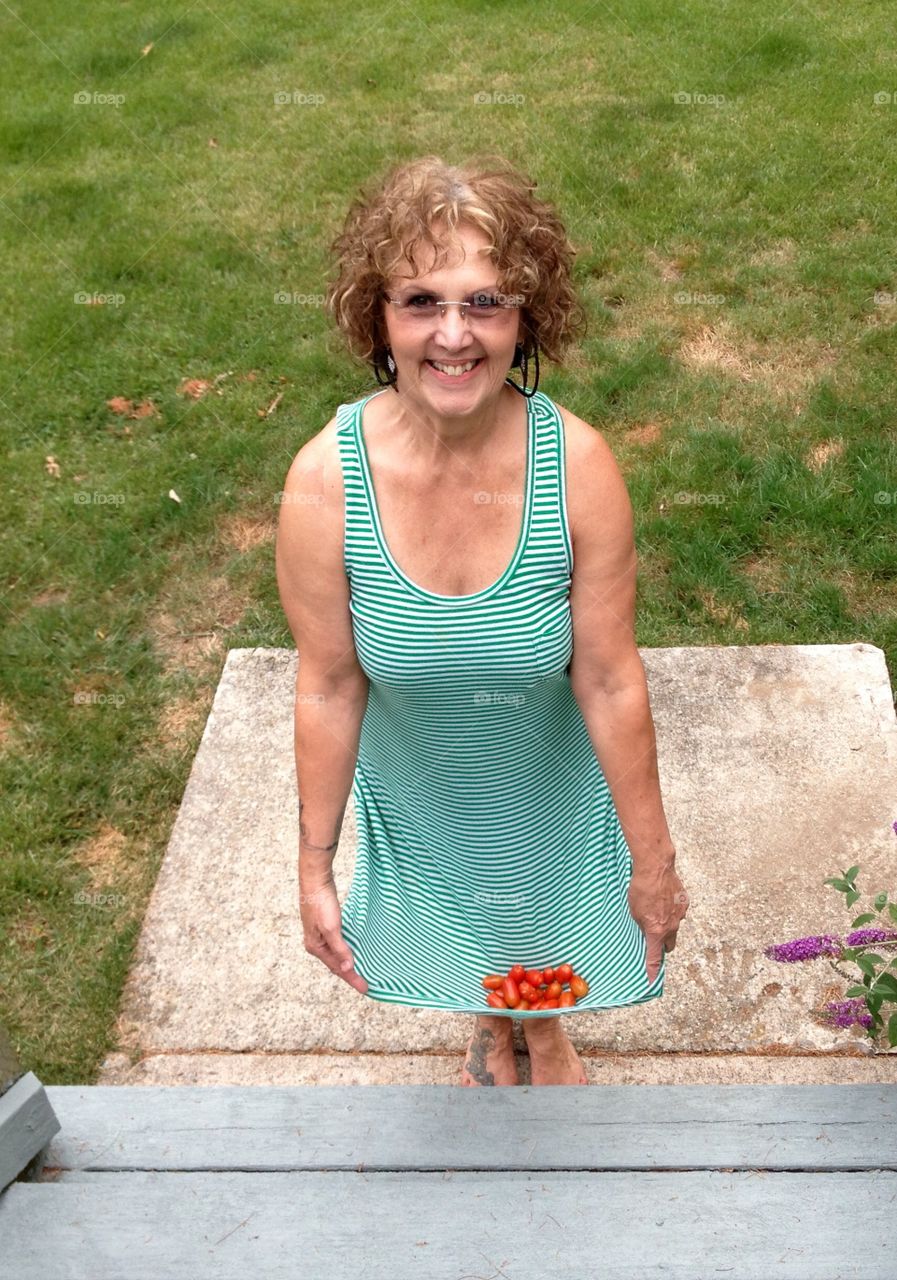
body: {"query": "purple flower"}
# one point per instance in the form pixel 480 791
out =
pixel 844 1013
pixel 860 937
pixel 805 948
pixel 894 825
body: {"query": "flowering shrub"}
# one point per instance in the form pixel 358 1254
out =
pixel 862 1003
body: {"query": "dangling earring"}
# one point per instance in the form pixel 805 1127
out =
pixel 520 360
pixel 391 379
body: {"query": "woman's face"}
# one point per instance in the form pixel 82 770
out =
pixel 450 340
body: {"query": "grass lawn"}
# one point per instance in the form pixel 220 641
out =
pixel 728 175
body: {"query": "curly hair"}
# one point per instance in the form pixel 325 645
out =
pixel 528 246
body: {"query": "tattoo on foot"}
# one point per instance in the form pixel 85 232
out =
pixel 480 1045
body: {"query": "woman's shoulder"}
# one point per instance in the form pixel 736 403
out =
pixel 595 485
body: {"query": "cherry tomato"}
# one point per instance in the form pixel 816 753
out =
pixel 526 991
pixel 554 990
pixel 496 1001
pixel 517 972
pixel 566 1000
pixel 534 977
pixel 524 1004
pixel 549 1004
pixel 579 986
pixel 548 975
pixel 493 981
pixel 511 993
pixel 563 972
pixel 540 1004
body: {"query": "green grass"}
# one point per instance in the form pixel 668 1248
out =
pixel 777 204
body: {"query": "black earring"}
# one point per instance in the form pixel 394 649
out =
pixel 390 379
pixel 520 361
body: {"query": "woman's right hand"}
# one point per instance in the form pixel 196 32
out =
pixel 322 926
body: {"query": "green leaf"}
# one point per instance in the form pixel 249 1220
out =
pixel 852 897
pixel 886 985
pixel 892 1029
pixel 852 992
pixel 839 884
pixel 864 919
pixel 892 909
pixel 851 874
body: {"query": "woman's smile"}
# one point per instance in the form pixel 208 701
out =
pixel 455 371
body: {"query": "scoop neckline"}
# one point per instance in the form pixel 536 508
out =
pixel 524 525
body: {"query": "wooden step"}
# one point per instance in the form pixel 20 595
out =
pixel 679 1181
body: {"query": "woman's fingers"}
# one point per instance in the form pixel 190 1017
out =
pixel 321 922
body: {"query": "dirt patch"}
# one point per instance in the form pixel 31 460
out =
pixel 778 254
pixel 644 433
pixel 764 571
pixel 52 595
pixel 104 855
pixel 190 621
pixel 182 718
pixel 7 727
pixel 668 269
pixel 245 533
pixel 783 372
pixel 722 613
pixel 822 453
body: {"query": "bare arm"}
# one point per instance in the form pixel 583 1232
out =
pixel 331 688
pixel 606 672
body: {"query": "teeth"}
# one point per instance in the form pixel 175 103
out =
pixel 454 370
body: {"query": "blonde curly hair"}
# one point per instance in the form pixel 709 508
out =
pixel 387 221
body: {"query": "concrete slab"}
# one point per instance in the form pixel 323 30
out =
pixel 441 1068
pixel 778 767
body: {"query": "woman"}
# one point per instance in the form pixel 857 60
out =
pixel 455 558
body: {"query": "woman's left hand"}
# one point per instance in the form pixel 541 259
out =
pixel 657 902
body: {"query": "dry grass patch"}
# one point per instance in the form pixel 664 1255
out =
pixel 822 452
pixel 784 372
pixel 191 618
pixel 645 433
pixel 104 855
pixel 723 614
pixel 765 571
pixel 245 533
pixel 779 254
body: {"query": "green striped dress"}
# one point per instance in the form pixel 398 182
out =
pixel 487 833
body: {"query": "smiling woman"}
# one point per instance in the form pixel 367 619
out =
pixel 451 661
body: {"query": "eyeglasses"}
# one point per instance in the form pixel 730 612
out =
pixel 476 307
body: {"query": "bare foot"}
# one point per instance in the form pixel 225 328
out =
pixel 553 1060
pixel 490 1054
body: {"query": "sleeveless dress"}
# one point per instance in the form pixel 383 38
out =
pixel 487 833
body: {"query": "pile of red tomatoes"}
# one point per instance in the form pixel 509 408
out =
pixel 529 989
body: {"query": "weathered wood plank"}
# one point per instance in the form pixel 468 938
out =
pixel 306 1226
pixel 299 1127
pixel 27 1124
